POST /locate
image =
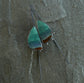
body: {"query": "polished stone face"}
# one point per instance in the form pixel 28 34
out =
pixel 34 39
pixel 43 30
pixel 65 18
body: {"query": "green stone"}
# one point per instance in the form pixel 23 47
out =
pixel 44 30
pixel 34 39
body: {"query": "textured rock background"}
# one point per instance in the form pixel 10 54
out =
pixel 66 19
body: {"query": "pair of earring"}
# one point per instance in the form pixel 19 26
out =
pixel 37 35
pixel 40 34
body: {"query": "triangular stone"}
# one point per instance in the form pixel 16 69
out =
pixel 33 39
pixel 44 31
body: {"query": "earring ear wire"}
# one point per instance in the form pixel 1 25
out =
pixel 32 15
pixel 35 13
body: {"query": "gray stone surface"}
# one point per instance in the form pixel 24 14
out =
pixel 15 55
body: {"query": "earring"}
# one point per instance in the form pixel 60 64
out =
pixel 34 42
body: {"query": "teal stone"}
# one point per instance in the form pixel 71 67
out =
pixel 33 39
pixel 44 30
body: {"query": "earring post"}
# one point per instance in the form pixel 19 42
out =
pixel 35 13
pixel 33 20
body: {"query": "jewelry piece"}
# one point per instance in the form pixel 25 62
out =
pixel 34 42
